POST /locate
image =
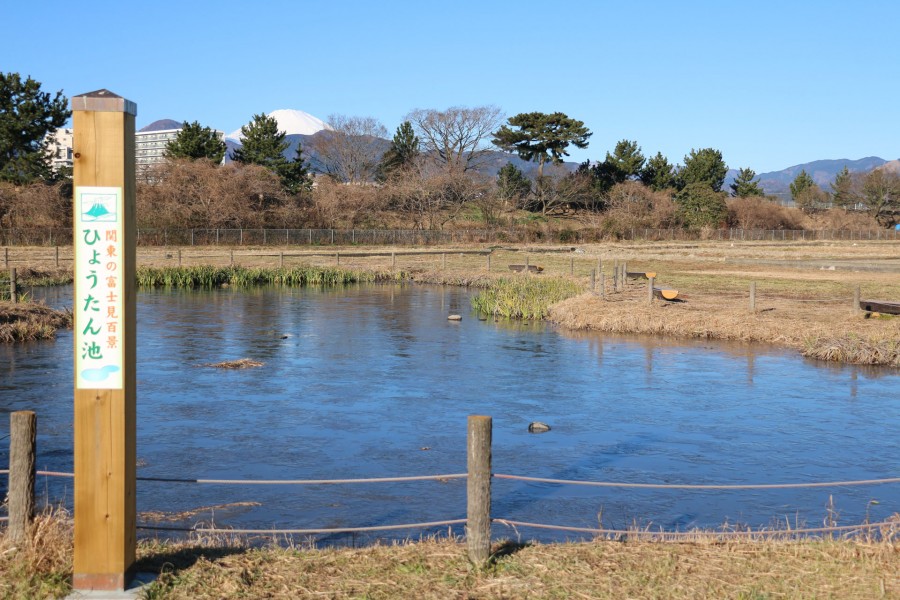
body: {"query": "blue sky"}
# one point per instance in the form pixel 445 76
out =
pixel 770 84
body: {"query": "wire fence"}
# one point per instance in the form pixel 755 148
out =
pixel 49 236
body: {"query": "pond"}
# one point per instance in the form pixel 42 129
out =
pixel 374 381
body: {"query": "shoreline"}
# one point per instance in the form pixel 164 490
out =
pixel 802 305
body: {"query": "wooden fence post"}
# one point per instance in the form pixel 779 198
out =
pixel 624 273
pixel 6 257
pixel 444 261
pixel 393 260
pixel 650 281
pixel 57 257
pixel 281 259
pixel 489 262
pixel 22 428
pixel 105 414
pixel 232 258
pixel 593 280
pixel 602 284
pixel 572 265
pixel 478 489
pixel 13 291
pixel 856 296
pixel 752 296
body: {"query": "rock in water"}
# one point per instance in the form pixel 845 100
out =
pixel 538 427
pixel 454 318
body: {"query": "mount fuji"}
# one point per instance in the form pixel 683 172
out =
pixel 292 122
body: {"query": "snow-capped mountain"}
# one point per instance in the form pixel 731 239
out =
pixel 292 122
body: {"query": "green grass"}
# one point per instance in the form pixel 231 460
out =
pixel 206 277
pixel 524 297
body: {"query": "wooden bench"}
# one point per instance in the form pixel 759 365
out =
pixel 665 293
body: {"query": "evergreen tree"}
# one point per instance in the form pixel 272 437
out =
pixel 842 189
pixel 800 184
pixel 294 175
pixel 263 144
pixel 626 161
pixel 705 167
pixel 541 138
pixel 512 184
pixel 27 116
pixel 701 206
pixel 658 174
pixel 403 151
pixel 744 186
pixel 194 142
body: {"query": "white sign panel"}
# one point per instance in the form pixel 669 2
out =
pixel 99 287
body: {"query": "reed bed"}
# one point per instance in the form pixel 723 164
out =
pixel 853 349
pixel 524 297
pixel 207 277
pixel 29 321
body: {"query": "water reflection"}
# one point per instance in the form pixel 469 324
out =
pixel 370 381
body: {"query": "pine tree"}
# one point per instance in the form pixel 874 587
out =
pixel 263 144
pixel 842 192
pixel 27 116
pixel 744 186
pixel 800 184
pixel 703 166
pixel 403 151
pixel 658 174
pixel 701 206
pixel 541 137
pixel 626 161
pixel 512 184
pixel 195 142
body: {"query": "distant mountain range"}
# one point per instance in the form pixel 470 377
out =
pixel 303 128
pixel 822 172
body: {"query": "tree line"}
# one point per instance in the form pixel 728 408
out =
pixel 439 169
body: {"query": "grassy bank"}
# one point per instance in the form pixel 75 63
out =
pixel 826 332
pixel 700 568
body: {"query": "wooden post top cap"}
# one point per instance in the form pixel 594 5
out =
pixel 103 101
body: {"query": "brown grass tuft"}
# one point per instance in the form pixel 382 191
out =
pixel 243 363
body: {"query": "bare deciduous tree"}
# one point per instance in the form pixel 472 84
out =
pixel 454 139
pixel 350 151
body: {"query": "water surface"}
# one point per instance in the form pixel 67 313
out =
pixel 373 381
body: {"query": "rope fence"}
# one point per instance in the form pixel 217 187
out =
pixel 608 484
pixel 478 520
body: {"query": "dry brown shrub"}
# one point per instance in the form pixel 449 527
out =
pixel 336 204
pixel 632 205
pixel 36 205
pixel 760 213
pixel 838 218
pixel 185 193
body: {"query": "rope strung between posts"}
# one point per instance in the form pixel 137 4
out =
pixel 54 474
pixel 307 481
pixel 629 532
pixel 617 484
pixel 306 531
pixel 680 486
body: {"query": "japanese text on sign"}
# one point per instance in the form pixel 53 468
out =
pixel 98 287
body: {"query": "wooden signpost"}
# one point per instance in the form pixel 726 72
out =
pixel 104 240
